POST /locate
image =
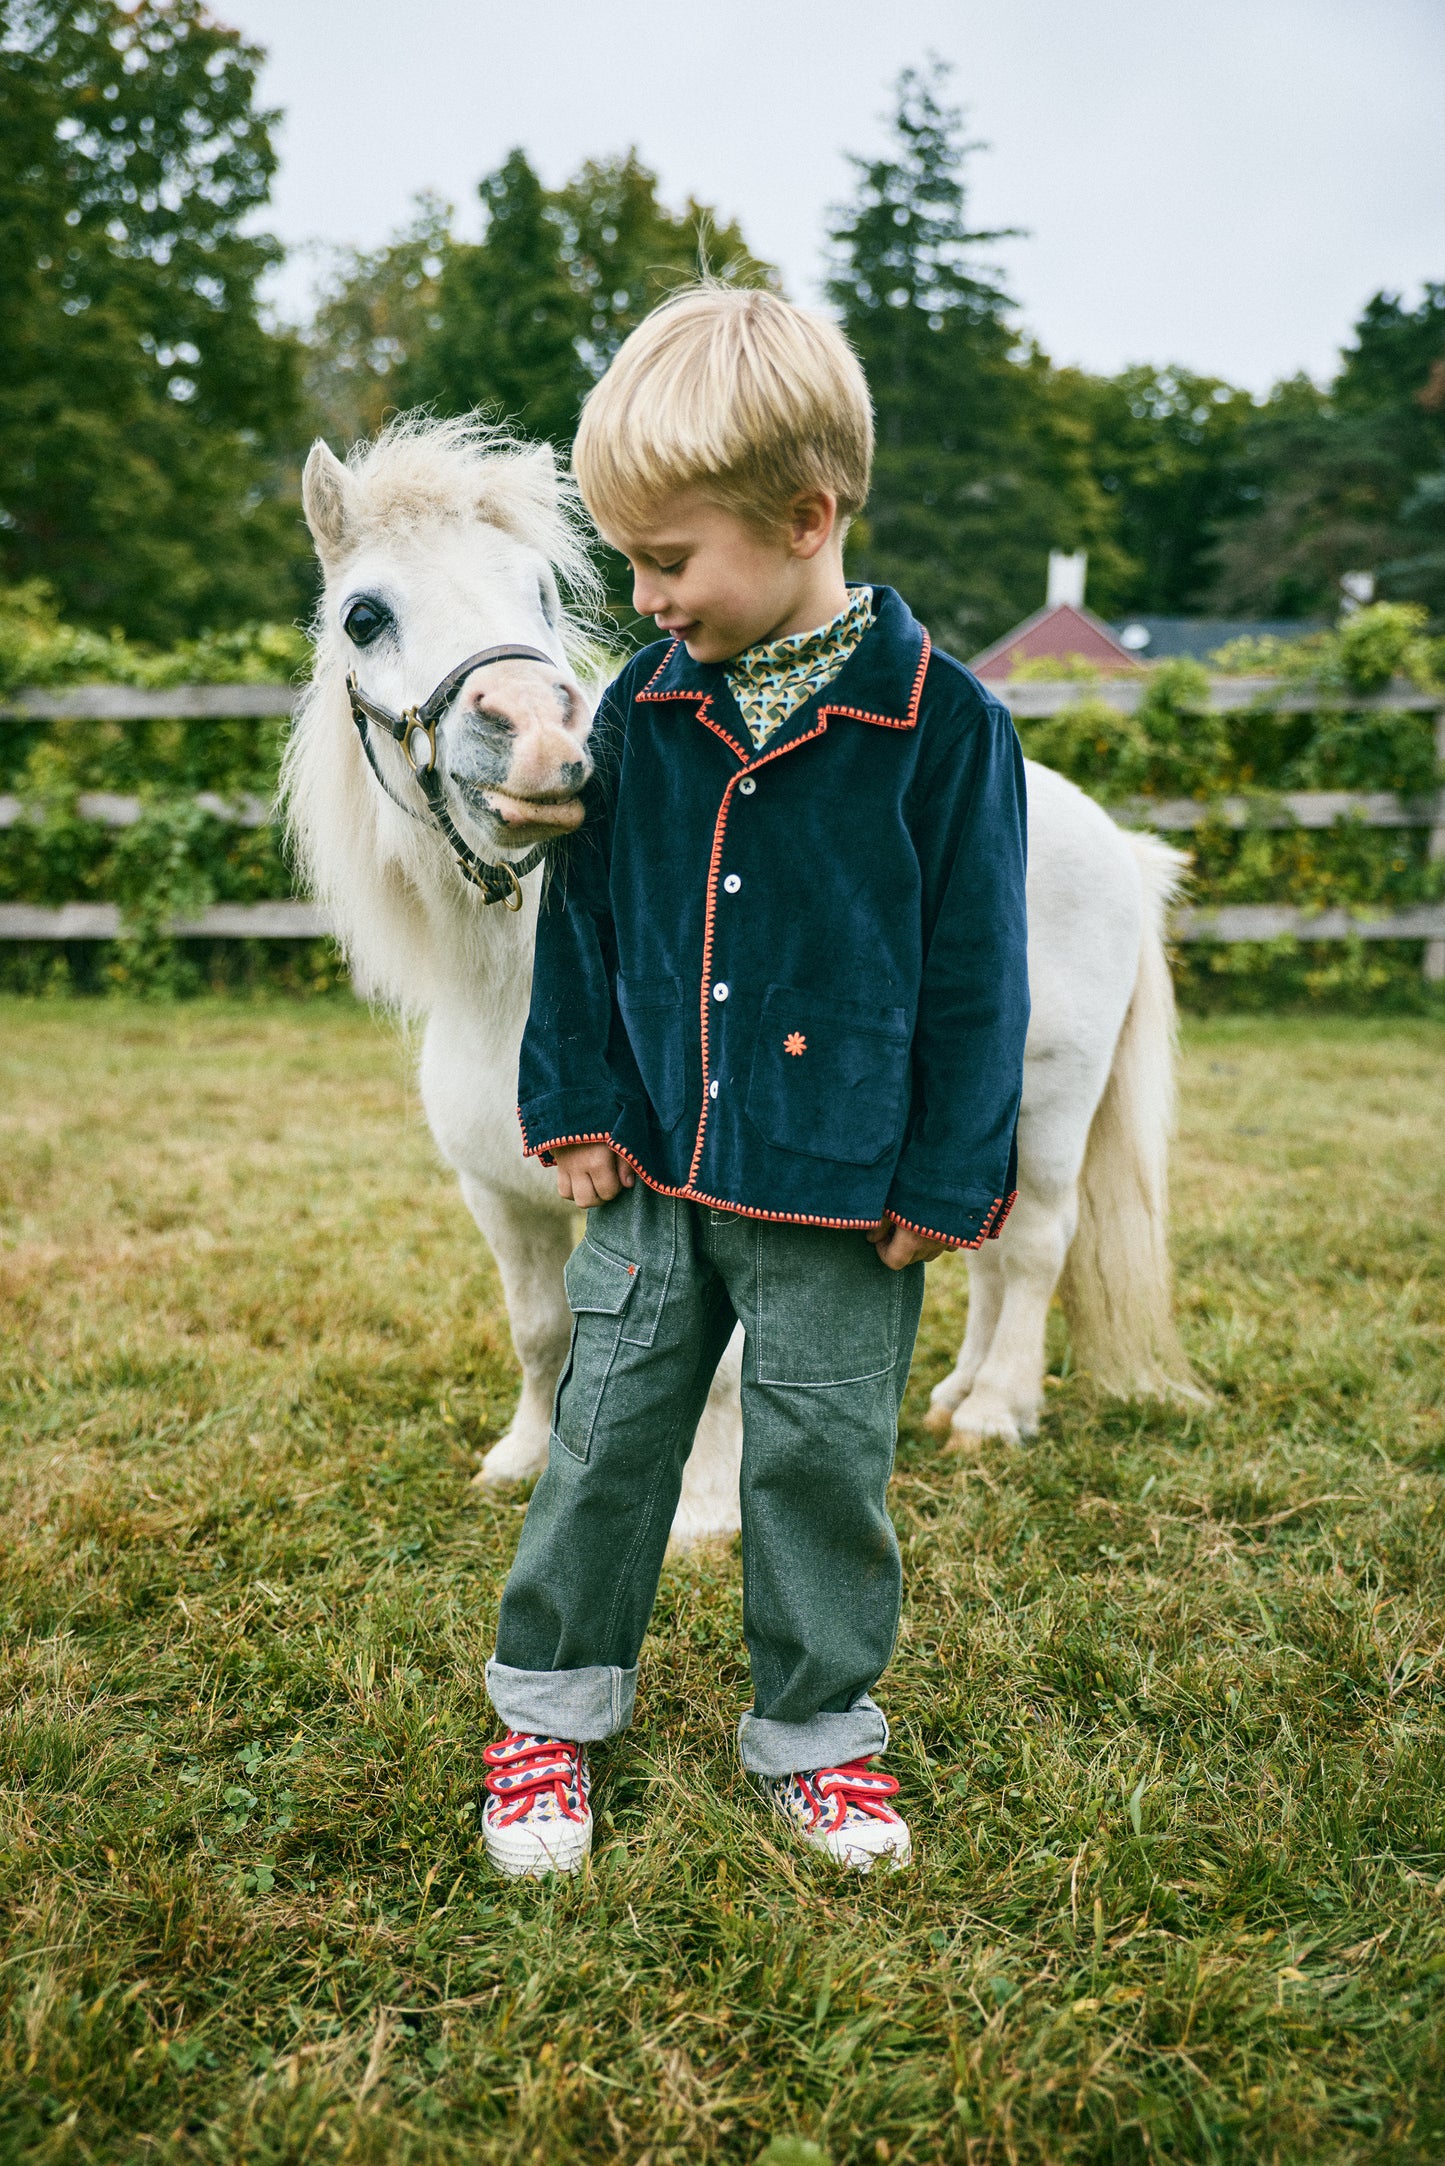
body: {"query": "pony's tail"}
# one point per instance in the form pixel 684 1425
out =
pixel 1117 1284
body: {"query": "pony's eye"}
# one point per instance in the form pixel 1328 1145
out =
pixel 365 620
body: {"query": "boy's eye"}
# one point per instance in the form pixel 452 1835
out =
pixel 670 571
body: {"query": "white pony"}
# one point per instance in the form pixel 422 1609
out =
pixel 444 539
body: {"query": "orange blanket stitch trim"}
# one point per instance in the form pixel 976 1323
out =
pixel 991 1225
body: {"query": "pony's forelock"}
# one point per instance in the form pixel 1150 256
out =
pixel 420 469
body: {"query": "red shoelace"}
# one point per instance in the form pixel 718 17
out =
pixel 525 1769
pixel 830 1791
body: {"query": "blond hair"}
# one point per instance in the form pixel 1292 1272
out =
pixel 736 392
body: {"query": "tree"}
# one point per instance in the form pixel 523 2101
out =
pixel 983 462
pixel 523 322
pixel 144 406
pixel 1345 478
pixel 625 251
pixel 526 320
pixel 375 312
pixel 1165 448
pixel 503 331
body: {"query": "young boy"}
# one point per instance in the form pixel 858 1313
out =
pixel 775 1050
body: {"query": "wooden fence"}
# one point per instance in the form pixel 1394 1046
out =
pixel 1228 922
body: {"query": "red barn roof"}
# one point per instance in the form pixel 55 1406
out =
pixel 1061 633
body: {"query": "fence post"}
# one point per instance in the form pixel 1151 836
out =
pixel 1435 949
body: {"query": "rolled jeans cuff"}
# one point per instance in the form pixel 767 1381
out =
pixel 786 1748
pixel 580 1705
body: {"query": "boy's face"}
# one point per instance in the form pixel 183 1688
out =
pixel 719 584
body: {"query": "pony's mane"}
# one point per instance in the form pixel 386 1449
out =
pixel 419 469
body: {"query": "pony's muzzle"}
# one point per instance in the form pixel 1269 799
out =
pixel 523 746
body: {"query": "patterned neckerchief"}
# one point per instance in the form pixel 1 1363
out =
pixel 771 682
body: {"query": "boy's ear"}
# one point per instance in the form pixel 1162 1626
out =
pixel 812 520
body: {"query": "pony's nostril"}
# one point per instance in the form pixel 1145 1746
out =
pixel 496 717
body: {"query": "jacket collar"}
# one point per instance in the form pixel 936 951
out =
pixel 881 682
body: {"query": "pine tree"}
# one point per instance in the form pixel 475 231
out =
pixel 981 466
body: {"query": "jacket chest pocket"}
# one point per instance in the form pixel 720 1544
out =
pixel 829 1077
pixel 651 1011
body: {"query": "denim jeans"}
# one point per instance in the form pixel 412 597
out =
pixel 655 1288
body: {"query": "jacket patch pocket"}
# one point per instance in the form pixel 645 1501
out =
pixel 652 1015
pixel 599 1288
pixel 829 1077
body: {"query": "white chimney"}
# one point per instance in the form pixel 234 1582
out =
pixel 1067 574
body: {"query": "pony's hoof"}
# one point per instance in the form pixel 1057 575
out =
pixel 942 1402
pixel 695 1530
pixel 511 1459
pixel 982 1415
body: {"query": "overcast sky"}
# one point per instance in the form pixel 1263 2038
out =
pixel 1221 183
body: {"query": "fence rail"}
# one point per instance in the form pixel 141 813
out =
pixel 307 921
pixel 1029 700
pixel 223 921
pixel 296 920
pixel 135 703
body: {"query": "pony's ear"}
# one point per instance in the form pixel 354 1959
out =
pixel 325 493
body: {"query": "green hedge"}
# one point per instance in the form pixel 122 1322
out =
pixel 179 858
pixel 1174 747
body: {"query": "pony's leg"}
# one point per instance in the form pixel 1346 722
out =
pixel 985 1300
pixel 708 1510
pixel 531 1247
pixel 1007 1391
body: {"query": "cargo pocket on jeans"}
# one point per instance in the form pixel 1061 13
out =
pixel 599 1288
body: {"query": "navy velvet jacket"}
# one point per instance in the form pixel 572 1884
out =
pixel 794 982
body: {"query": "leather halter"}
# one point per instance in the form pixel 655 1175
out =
pixel 415 730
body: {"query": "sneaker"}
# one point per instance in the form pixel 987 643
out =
pixel 537 1819
pixel 844 1812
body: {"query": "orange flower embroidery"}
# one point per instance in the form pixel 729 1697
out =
pixel 795 1042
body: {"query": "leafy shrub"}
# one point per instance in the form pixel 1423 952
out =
pixel 180 857
pixel 1173 747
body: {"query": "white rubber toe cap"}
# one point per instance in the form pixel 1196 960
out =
pixel 861 1848
pixel 529 1850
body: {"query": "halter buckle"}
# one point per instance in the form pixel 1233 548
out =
pixel 419 740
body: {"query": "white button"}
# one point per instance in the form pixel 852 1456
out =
pixel 719 992
pixel 731 884
pixel 746 786
pixel 712 1089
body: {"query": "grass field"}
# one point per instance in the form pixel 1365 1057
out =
pixel 1167 1707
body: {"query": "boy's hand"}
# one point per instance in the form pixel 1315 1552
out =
pixel 899 1246
pixel 589 1173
